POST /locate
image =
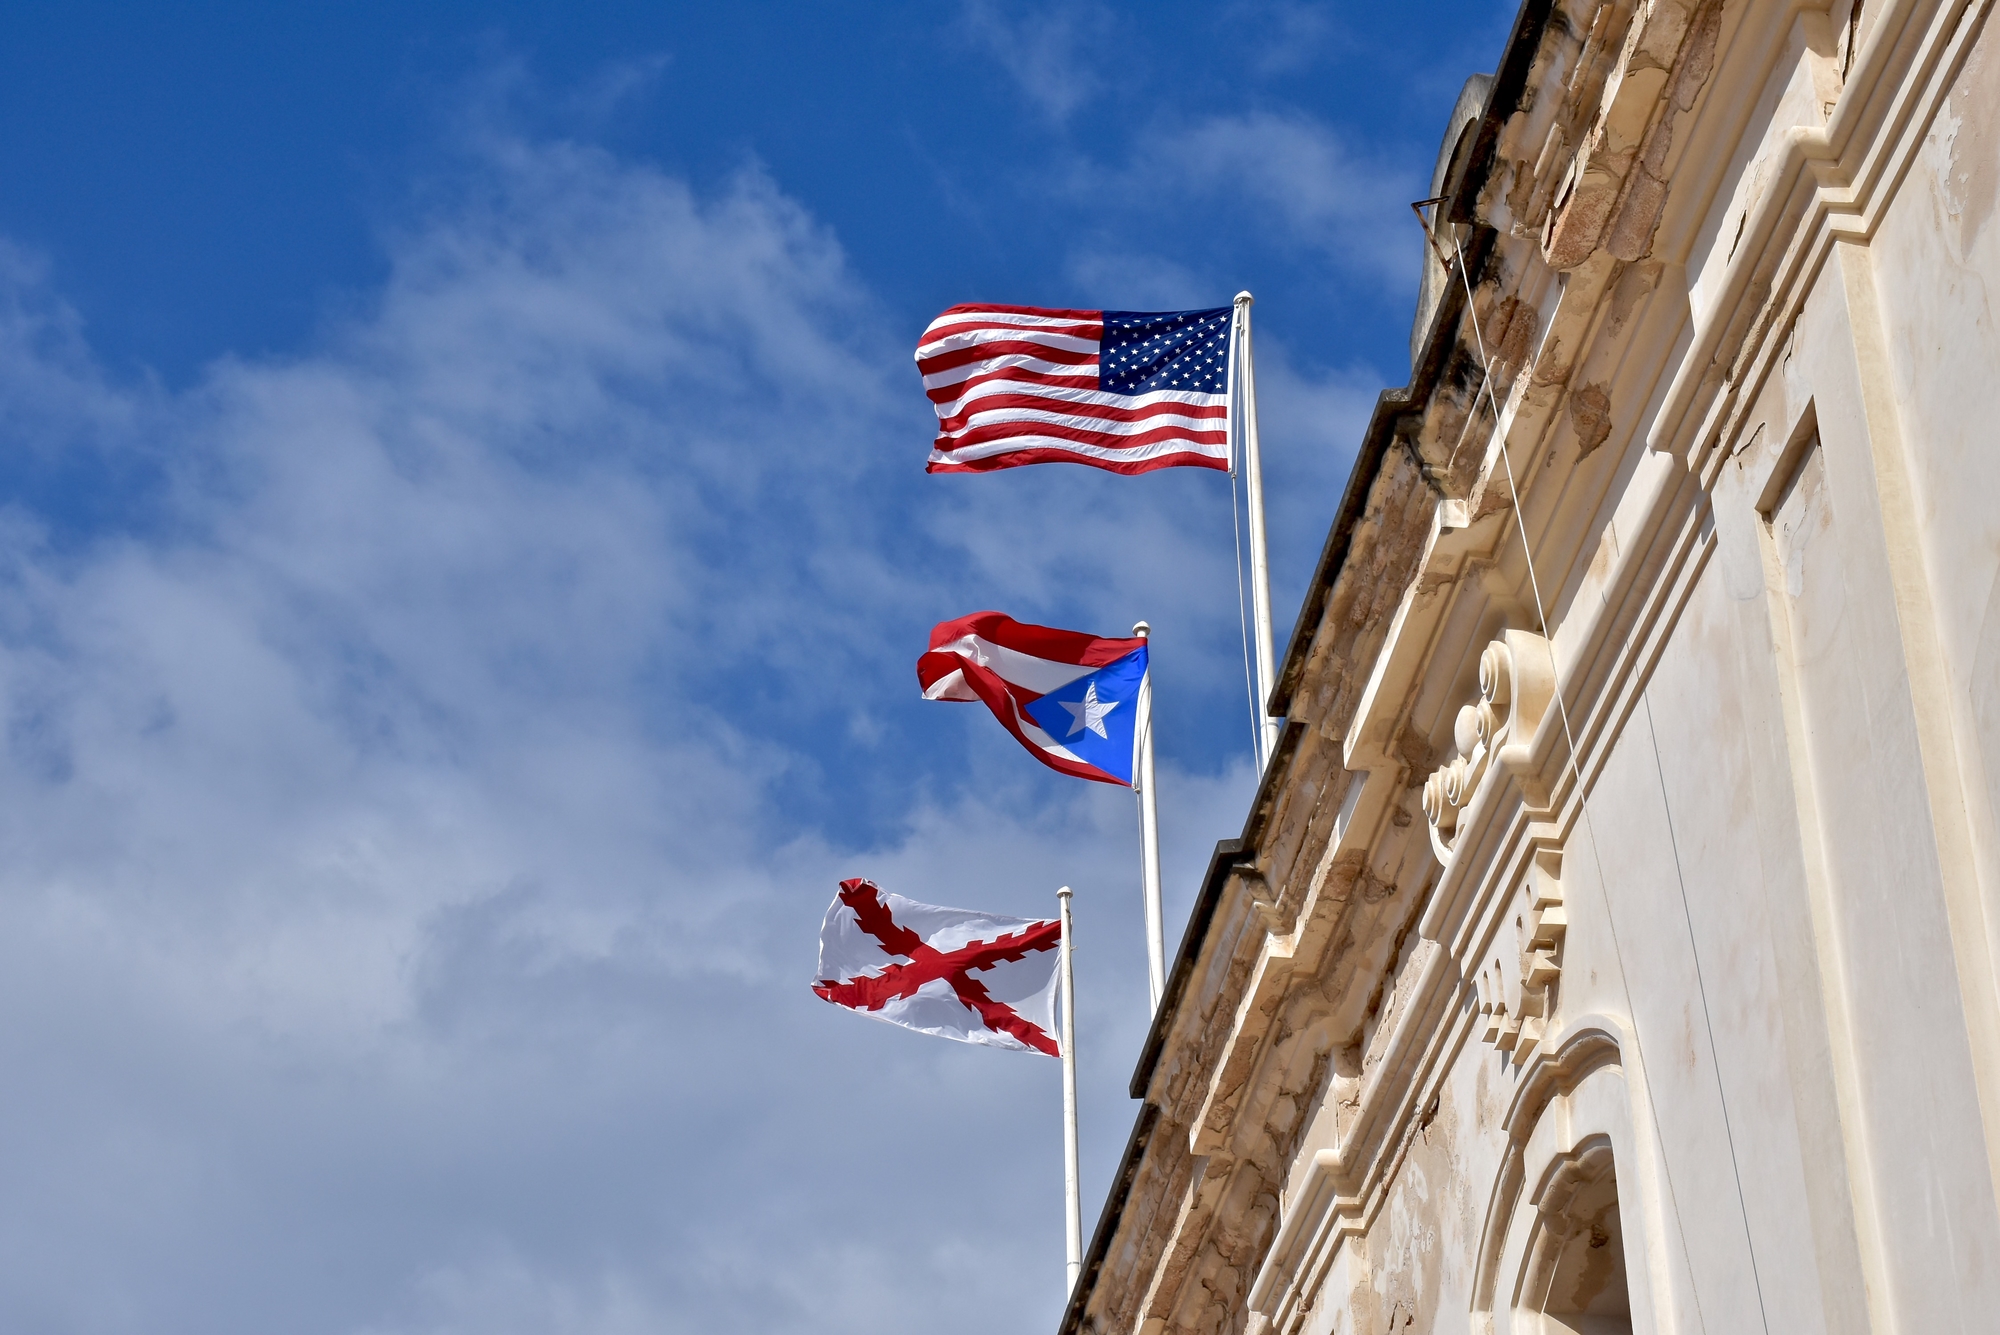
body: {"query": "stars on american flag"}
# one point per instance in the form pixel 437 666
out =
pixel 1129 391
pixel 1145 351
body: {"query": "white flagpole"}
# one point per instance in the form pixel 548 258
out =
pixel 1149 833
pixel 1260 563
pixel 1072 1188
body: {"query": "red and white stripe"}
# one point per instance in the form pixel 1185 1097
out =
pixel 1004 664
pixel 1018 385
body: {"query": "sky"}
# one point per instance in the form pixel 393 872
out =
pixel 463 554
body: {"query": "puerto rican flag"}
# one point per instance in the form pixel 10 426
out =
pixel 1127 391
pixel 954 973
pixel 1071 699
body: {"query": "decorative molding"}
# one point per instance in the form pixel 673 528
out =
pixel 1516 683
pixel 1581 1053
pixel 1516 1003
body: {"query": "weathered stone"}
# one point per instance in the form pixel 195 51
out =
pixel 1698 1027
pixel 1590 418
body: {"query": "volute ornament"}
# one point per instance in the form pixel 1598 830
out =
pixel 1516 683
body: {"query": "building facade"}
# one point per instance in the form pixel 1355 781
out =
pixel 1612 943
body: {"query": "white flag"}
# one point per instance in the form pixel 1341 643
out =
pixel 950 972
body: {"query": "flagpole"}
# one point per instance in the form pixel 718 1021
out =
pixel 1260 563
pixel 1072 1188
pixel 1149 834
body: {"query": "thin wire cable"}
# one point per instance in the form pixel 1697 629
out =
pixel 1687 915
pixel 1139 811
pixel 1242 610
pixel 1582 798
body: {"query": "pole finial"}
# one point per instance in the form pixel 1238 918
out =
pixel 1244 298
pixel 1063 893
pixel 1142 629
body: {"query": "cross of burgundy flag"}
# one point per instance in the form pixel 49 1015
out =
pixel 1071 699
pixel 1127 391
pixel 974 977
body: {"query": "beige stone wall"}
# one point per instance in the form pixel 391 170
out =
pixel 1646 974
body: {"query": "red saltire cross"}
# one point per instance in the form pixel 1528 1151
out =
pixel 927 964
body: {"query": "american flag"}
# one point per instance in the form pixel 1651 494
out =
pixel 1128 391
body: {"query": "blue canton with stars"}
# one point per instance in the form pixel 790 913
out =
pixel 1144 351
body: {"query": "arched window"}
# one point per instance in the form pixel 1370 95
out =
pixel 1553 1259
pixel 1575 1276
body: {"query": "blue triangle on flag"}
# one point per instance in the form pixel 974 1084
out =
pixel 1095 717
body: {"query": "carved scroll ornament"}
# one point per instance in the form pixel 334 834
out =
pixel 1516 682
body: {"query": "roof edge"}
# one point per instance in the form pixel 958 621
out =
pixel 1228 853
pixel 1504 98
pixel 1108 1219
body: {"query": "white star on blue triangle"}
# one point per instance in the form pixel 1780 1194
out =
pixel 1095 716
pixel 1089 712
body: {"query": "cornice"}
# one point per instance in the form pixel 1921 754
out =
pixel 1228 854
pixel 1688 372
pixel 1832 183
pixel 1349 1185
pixel 1109 1218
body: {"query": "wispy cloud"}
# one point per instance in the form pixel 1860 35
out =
pixel 1122 279
pixel 1293 171
pixel 1043 47
pixel 405 901
pixel 1283 35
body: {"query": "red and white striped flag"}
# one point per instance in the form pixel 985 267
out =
pixel 1127 391
pixel 974 977
pixel 1071 699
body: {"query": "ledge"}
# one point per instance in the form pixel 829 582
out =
pixel 1228 852
pixel 1523 42
pixel 1107 1222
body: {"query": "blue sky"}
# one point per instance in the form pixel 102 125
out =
pixel 463 552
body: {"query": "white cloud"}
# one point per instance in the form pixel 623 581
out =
pixel 1041 46
pixel 1284 35
pixel 1192 208
pixel 1302 175
pixel 404 926
pixel 1123 280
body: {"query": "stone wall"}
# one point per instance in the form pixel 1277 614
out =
pixel 1613 940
